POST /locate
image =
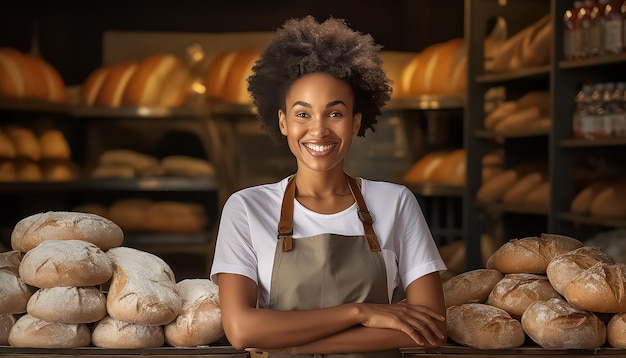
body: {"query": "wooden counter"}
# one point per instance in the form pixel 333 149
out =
pixel 534 352
pixel 95 352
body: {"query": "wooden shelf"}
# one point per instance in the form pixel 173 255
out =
pixel 153 184
pixel 426 102
pixel 452 350
pixel 162 352
pixel 594 61
pixel 502 136
pixel 600 142
pixel 521 74
pixel 500 208
pixel 593 220
pixel 435 189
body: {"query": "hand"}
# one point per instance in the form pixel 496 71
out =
pixel 418 322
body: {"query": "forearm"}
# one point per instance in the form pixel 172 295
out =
pixel 359 339
pixel 273 329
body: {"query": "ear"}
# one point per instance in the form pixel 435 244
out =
pixel 356 123
pixel 281 122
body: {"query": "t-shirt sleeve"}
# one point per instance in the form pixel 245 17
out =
pixel 418 254
pixel 234 252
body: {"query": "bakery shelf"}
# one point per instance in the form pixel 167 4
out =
pixel 426 102
pixel 166 238
pixel 600 142
pixel 513 208
pixel 435 189
pixel 39 186
pixel 593 220
pixel 594 61
pixel 162 352
pixel 501 137
pixel 137 112
pixel 451 350
pixel 521 74
pixel 232 109
pixel 153 184
pixel 31 105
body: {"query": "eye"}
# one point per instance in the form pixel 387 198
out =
pixel 302 115
pixel 335 114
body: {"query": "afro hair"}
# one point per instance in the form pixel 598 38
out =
pixel 303 46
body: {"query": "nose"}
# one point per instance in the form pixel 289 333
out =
pixel 319 127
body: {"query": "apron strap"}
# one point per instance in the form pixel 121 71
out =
pixel 364 214
pixel 285 225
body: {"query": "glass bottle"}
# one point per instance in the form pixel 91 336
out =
pixel 611 26
pixel 591 28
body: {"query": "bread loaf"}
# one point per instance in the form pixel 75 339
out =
pixel 582 201
pixel 451 169
pixel 171 216
pixel 6 323
pixel 11 65
pixel 143 288
pixel 493 190
pixel 7 149
pixel 539 197
pixel 29 331
pixel 114 85
pixel 423 169
pixel 14 293
pixel 125 157
pixel 114 171
pixel 65 263
pixel 91 88
pixel 482 326
pixel 564 268
pixel 59 170
pixel 609 202
pixel 130 214
pixel 600 288
pixel 218 72
pixel 93 208
pixel 65 225
pixel 616 330
pixel 515 292
pixel 235 88
pixel 25 142
pixel 470 287
pixel 556 324
pixel 7 171
pixel 68 304
pixel 113 333
pixel 518 192
pixel 531 254
pixel 200 321
pixel 54 145
pixel 26 170
pixel 179 165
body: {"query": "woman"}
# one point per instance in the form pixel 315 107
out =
pixel 319 262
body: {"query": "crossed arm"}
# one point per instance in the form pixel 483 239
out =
pixel 351 327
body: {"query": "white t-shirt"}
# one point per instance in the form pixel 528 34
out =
pixel 248 230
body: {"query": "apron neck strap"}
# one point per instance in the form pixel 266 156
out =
pixel 285 225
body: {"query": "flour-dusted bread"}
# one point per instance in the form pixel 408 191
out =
pixel 65 263
pixel 531 254
pixel 483 326
pixel 68 304
pixel 143 288
pixel 564 268
pixel 32 332
pixel 200 321
pixel 616 330
pixel 516 291
pixel 112 333
pixel 556 324
pixel 65 225
pixel 6 323
pixel 14 292
pixel 470 287
pixel 600 288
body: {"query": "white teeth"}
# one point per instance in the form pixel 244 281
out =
pixel 318 148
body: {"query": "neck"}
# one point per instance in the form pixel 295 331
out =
pixel 321 185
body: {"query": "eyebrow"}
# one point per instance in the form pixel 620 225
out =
pixel 308 105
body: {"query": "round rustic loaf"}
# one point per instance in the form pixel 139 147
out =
pixel 65 263
pixel 65 225
pixel 483 326
pixel 616 330
pixel 470 287
pixel 15 292
pixel 68 304
pixel 6 323
pixel 564 268
pixel 556 324
pixel 600 288
pixel 112 333
pixel 516 291
pixel 143 288
pixel 200 321
pixel 32 332
pixel 531 254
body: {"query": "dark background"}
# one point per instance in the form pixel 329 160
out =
pixel 70 33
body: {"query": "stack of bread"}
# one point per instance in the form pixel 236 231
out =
pixel 527 48
pixel 140 215
pixel 159 80
pixel 531 112
pixel 552 289
pixel 602 198
pixel 225 79
pixel 125 163
pixel 25 76
pixel 76 285
pixel 525 186
pixel 26 156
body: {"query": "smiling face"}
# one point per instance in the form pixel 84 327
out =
pixel 319 122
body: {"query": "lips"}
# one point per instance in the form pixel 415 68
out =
pixel 319 149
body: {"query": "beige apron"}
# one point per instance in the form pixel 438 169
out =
pixel 328 269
